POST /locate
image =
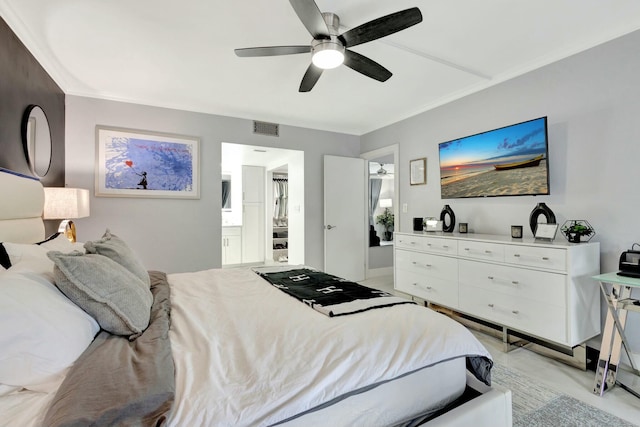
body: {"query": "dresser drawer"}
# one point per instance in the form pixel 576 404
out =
pixel 409 241
pixel 529 316
pixel 553 259
pixel 427 264
pixel 481 250
pixel 441 246
pixel 432 289
pixel 545 287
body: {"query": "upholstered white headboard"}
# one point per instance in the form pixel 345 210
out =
pixel 21 202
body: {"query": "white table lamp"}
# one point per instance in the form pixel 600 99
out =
pixel 66 204
pixel 385 203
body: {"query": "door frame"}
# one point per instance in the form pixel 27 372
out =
pixel 371 155
pixel 295 160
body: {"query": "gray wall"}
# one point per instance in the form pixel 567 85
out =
pixel 592 101
pixel 185 235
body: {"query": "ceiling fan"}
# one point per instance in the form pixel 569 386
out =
pixel 329 48
pixel 382 170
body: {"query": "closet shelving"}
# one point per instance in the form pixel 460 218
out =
pixel 280 218
pixel 280 244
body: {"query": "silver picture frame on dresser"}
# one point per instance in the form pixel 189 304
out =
pixel 546 232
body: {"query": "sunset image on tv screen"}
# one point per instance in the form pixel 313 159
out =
pixel 510 161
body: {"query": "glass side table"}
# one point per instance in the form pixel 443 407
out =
pixel 619 302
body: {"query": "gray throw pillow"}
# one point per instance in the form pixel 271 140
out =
pixel 118 300
pixel 115 248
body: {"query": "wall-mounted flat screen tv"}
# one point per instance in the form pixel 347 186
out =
pixel 509 161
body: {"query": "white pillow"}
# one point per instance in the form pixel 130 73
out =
pixel 33 257
pixel 62 244
pixel 41 332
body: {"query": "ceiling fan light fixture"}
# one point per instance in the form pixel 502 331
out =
pixel 330 48
pixel 327 54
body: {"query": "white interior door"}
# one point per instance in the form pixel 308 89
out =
pixel 345 217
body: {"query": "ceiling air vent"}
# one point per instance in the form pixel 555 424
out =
pixel 264 128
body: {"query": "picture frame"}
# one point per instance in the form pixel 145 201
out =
pixel 418 171
pixel 516 231
pixel 546 232
pixel 137 163
pixel 432 224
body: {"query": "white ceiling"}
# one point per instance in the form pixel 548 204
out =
pixel 179 54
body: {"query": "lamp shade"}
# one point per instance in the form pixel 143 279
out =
pixel 65 203
pixel 385 203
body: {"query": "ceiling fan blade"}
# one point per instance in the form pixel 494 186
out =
pixel 366 66
pixel 311 17
pixel 310 78
pixel 381 27
pixel 272 50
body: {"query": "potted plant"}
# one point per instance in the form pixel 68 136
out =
pixel 575 229
pixel 386 220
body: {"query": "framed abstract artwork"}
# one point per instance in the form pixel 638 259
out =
pixel 134 163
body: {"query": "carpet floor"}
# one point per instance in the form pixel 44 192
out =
pixel 536 405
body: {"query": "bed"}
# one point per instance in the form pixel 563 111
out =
pixel 221 347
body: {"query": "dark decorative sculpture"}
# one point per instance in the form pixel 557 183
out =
pixel 544 210
pixel 447 226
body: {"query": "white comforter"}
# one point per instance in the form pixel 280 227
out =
pixel 247 354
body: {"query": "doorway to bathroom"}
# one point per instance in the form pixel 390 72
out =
pixel 262 206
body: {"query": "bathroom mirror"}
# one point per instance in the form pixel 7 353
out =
pixel 36 140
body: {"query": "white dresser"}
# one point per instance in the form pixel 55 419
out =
pixel 544 290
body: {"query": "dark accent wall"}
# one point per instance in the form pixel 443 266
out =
pixel 23 81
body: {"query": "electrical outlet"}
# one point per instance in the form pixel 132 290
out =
pixel 405 208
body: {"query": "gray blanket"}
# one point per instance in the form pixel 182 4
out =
pixel 108 385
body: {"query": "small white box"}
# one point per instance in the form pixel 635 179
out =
pixel 432 224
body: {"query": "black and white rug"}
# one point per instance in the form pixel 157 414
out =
pixel 536 405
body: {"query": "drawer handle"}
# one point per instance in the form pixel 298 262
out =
pixel 429 244
pixel 516 255
pixel 413 243
pixel 515 311
pixel 487 252
pixel 545 258
pixel 513 282
pixel 422 265
pixel 445 246
pixel 490 305
pixel 428 288
pixel 467 249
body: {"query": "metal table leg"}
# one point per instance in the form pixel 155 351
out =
pixel 613 339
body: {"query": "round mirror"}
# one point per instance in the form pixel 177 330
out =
pixel 36 139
